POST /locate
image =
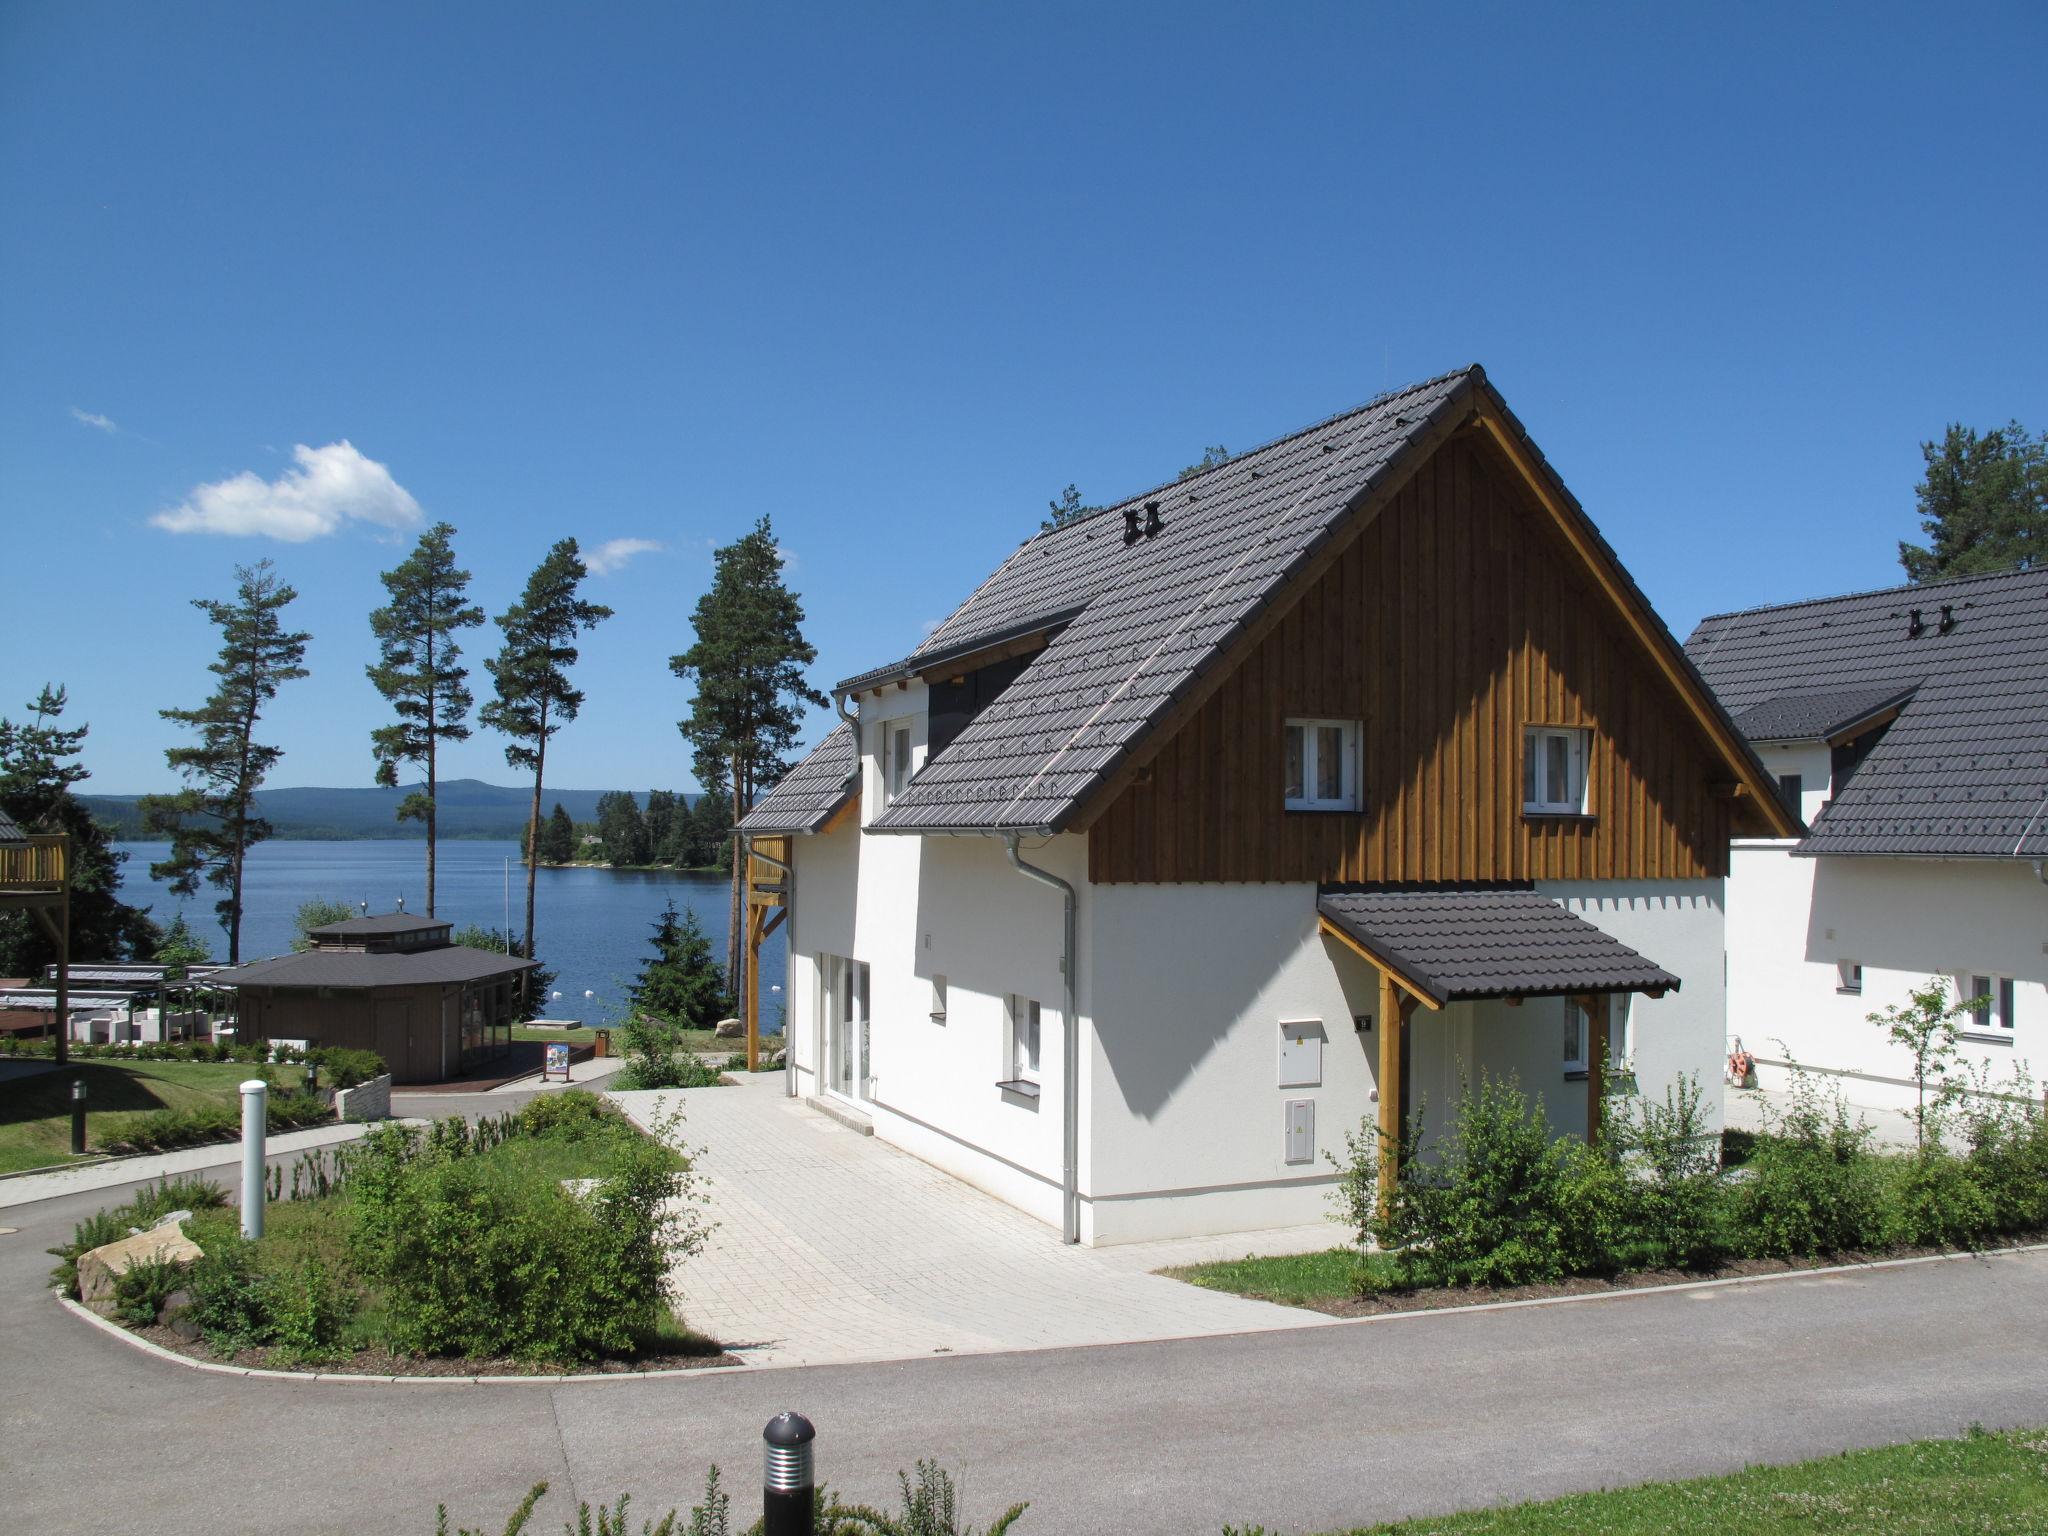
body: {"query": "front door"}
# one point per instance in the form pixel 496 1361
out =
pixel 846 1027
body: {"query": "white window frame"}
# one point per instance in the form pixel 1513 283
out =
pixel 1995 1018
pixel 1540 797
pixel 1579 1023
pixel 1023 1039
pixel 897 770
pixel 1849 976
pixel 1352 736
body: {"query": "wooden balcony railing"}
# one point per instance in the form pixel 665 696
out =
pixel 37 865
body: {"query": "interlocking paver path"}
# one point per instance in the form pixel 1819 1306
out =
pixel 833 1247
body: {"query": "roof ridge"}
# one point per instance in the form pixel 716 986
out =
pixel 1286 437
pixel 1843 597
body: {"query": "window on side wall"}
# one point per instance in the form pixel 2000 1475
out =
pixel 1322 765
pixel 1848 976
pixel 1021 1048
pixel 1554 770
pixel 896 766
pixel 1577 1033
pixel 1992 997
pixel 1791 787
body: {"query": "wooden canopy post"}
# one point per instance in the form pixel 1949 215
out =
pixel 1595 1004
pixel 751 984
pixel 1392 1016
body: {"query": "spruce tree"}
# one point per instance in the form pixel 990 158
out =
pixel 1983 504
pixel 661 826
pixel 531 673
pixel 417 671
pixel 558 839
pixel 213 823
pixel 681 984
pixel 747 665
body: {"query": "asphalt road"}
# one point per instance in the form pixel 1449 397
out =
pixel 1304 1431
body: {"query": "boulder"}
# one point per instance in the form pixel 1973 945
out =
pixel 730 1029
pixel 176 1314
pixel 100 1267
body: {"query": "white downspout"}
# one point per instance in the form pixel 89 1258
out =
pixel 788 933
pixel 1070 1048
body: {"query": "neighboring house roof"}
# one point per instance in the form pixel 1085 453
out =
pixel 804 799
pixel 1818 715
pixel 9 832
pixel 1459 943
pixel 1963 771
pixel 379 926
pixel 350 969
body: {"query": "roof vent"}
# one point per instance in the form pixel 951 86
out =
pixel 1948 618
pixel 1914 625
pixel 1153 521
pixel 1130 525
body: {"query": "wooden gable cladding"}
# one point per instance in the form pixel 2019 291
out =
pixel 1450 622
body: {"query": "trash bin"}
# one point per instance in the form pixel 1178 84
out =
pixel 604 1042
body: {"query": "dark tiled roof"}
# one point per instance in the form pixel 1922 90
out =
pixel 1461 943
pixel 9 832
pixel 350 969
pixel 1817 715
pixel 383 925
pixel 805 797
pixel 1963 770
pixel 1151 616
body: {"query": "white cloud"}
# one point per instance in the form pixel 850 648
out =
pixel 613 554
pixel 325 488
pixel 93 419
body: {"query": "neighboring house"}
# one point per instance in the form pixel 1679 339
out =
pixel 394 984
pixel 1910 726
pixel 1228 818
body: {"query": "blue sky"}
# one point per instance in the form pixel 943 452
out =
pixel 895 275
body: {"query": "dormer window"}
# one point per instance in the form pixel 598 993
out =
pixel 1323 765
pixel 1554 770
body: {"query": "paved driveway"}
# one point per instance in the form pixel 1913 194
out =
pixel 834 1247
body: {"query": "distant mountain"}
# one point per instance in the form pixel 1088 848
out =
pixel 469 808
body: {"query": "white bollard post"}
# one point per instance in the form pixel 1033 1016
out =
pixel 255 1120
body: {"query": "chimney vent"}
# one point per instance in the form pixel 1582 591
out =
pixel 1153 521
pixel 1130 525
pixel 1948 617
pixel 1914 625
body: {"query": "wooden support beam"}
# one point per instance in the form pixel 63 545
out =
pixel 1595 1005
pixel 1390 1085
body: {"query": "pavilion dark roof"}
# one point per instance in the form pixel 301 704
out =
pixel 1962 772
pixel 354 969
pixel 1458 943
pixel 380 925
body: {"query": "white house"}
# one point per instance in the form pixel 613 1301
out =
pixel 1910 726
pixel 1256 808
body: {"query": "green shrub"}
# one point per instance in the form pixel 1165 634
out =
pixel 1935 1201
pixel 571 1113
pixel 305 1312
pixel 1675 1206
pixel 666 1069
pixel 165 1130
pixel 228 1301
pixel 341 1068
pixel 150 1205
pixel 2005 1137
pixel 139 1290
pixel 1815 1187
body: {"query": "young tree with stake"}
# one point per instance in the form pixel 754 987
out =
pixel 212 823
pixel 748 664
pixel 531 672
pixel 417 671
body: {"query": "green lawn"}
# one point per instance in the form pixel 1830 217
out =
pixel 688 1039
pixel 35 1112
pixel 1984 1484
pixel 1292 1279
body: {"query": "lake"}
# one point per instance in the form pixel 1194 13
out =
pixel 594 924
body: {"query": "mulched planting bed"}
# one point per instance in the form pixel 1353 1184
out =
pixel 379 1362
pixel 1380 1303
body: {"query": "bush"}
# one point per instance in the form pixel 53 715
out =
pixel 1935 1201
pixel 139 1290
pixel 1815 1188
pixel 252 1051
pixel 655 1059
pixel 164 1130
pixel 572 1113
pixel 1675 1206
pixel 2005 1137
pixel 228 1301
pixel 150 1205
pixel 340 1068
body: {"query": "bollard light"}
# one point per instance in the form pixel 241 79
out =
pixel 255 1123
pixel 312 1076
pixel 788 1485
pixel 78 1116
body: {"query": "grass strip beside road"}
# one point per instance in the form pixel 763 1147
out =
pixel 35 1112
pixel 1989 1484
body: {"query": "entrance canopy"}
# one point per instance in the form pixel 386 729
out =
pixel 1455 945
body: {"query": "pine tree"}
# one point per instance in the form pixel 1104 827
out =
pixel 558 839
pixel 1983 504
pixel 623 829
pixel 417 671
pixel 39 774
pixel 531 672
pixel 747 664
pixel 213 823
pixel 681 984
pixel 179 949
pixel 661 826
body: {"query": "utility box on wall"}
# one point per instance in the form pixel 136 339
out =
pixel 1301 1053
pixel 1301 1130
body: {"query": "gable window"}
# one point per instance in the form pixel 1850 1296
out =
pixel 1322 765
pixel 1554 770
pixel 896 764
pixel 1848 976
pixel 1022 1023
pixel 1992 997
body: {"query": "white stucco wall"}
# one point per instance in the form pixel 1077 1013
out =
pixel 1791 920
pixel 1811 760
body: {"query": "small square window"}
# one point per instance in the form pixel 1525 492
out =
pixel 1323 766
pixel 1848 976
pixel 1554 770
pixel 1992 999
pixel 1024 1032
